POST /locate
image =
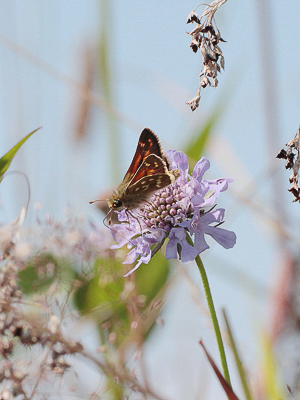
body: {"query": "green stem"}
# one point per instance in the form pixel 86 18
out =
pixel 214 318
pixel 213 314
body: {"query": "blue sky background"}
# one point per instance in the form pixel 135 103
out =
pixel 154 73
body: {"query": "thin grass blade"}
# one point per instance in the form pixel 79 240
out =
pixel 7 158
pixel 238 361
pixel 227 388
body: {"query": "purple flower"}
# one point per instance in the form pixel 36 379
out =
pixel 183 208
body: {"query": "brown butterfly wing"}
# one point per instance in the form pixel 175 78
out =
pixel 148 144
pixel 149 171
pixel 143 188
pixel 152 165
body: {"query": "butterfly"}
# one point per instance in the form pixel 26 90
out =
pixel 149 171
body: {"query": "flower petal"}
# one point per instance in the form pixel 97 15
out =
pixel 188 252
pixel 134 268
pixel 200 242
pixel 225 238
pixel 121 234
pixel 179 160
pixel 200 168
pixel 216 186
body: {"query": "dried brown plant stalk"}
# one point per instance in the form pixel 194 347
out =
pixel 206 37
pixel 291 154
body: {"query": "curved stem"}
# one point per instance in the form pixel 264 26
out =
pixel 214 318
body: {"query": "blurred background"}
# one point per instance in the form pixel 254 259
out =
pixel 93 74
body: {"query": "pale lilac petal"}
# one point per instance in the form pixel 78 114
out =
pixel 143 250
pixel 200 168
pixel 131 256
pixel 154 236
pixel 200 243
pixel 215 187
pixel 188 252
pixel 201 225
pixel 199 189
pixel 178 160
pixel 178 236
pixel 221 183
pixel 214 216
pixel 198 200
pixel 225 238
pixel 140 261
pixel 122 215
pixel 171 250
pixel 121 234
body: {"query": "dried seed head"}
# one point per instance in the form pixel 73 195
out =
pixel 206 36
pixel 282 154
pixel 291 154
pixel 194 102
pixel 194 45
pixel 193 17
pixel 204 82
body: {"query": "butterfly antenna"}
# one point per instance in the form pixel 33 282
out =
pixel 94 201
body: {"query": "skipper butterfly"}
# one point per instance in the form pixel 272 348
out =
pixel 149 171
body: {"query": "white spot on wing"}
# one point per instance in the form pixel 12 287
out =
pixel 158 183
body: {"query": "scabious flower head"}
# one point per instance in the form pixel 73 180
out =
pixel 183 208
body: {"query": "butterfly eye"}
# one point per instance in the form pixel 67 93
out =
pixel 117 204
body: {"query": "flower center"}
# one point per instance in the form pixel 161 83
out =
pixel 164 208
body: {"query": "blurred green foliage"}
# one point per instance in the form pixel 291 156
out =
pixel 104 297
pixel 42 270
